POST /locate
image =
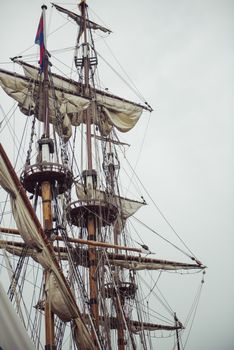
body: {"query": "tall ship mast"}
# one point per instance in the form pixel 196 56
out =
pixel 74 271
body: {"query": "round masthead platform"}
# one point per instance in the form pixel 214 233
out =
pixel 33 176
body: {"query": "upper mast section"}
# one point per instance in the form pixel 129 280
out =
pixel 44 63
pixel 85 62
pixel 85 56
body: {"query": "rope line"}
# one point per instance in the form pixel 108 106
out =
pixel 162 215
pixel 158 234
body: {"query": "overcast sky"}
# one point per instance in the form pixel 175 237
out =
pixel 179 54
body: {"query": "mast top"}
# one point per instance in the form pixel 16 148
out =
pixel 78 19
pixel 44 7
pixel 83 2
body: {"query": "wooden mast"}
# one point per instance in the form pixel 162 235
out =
pixel 91 221
pixel 46 192
pixel 177 331
pixel 119 300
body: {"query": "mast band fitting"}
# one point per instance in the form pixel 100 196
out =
pixel 46 200
pixel 50 347
pixel 92 263
pixel 92 301
pixel 46 141
pixel 91 237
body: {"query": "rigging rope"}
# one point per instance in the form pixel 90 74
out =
pixel 165 303
pixel 134 87
pixel 165 239
pixel 152 288
pixel 124 80
pixel 139 152
pixel 195 308
pixel 162 215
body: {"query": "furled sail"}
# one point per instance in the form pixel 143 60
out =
pixel 16 248
pixel 126 207
pixel 113 110
pixel 66 105
pixel 131 262
pixel 62 103
pixel 26 227
pixel 12 333
pixel 141 263
pixel 33 234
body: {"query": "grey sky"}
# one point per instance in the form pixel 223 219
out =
pixel 179 54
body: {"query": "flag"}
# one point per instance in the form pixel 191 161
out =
pixel 39 40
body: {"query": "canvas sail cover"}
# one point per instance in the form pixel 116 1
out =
pixel 66 106
pixel 131 262
pixel 115 111
pixel 33 235
pixel 14 249
pixel 154 265
pixel 12 333
pixel 127 207
pixel 62 104
pixel 26 227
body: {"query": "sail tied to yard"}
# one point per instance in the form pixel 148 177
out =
pixel 10 326
pixel 62 300
pixel 126 207
pixel 67 103
pixel 126 261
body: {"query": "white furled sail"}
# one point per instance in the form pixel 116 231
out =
pixel 12 333
pixel 114 111
pixel 62 104
pixel 154 265
pixel 32 233
pixel 25 225
pixel 126 207
pixel 131 262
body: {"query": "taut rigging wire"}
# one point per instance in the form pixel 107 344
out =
pixel 124 80
pixel 163 216
pixel 195 304
pixel 165 303
pixel 159 235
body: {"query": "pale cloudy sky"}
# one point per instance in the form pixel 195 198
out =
pixel 179 54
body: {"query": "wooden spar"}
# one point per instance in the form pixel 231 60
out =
pixel 137 326
pixel 119 257
pixel 13 231
pixel 125 261
pixel 107 139
pixel 45 80
pixel 78 19
pixel 46 192
pixel 46 243
pixel 91 220
pixel 177 331
pixel 93 295
pixel 79 86
pixel 86 84
pixel 116 259
pixel 81 241
pixel 47 218
pixel 120 322
pixel 118 300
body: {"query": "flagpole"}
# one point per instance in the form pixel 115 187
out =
pixel 46 77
